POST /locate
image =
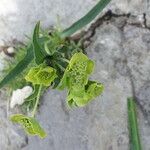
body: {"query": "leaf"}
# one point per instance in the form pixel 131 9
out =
pixel 39 53
pixel 86 19
pixel 54 43
pixel 30 125
pixel 133 126
pixel 19 67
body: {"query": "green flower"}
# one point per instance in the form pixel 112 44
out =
pixel 94 89
pixel 30 125
pixel 31 76
pixel 77 72
pixel 74 100
pixel 82 97
pixel 41 75
pixel 80 90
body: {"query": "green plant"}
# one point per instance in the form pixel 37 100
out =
pixel 53 60
pixel 135 143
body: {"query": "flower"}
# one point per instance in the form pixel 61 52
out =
pixel 82 98
pixel 77 72
pixel 30 125
pixel 76 79
pixel 41 75
pixel 19 96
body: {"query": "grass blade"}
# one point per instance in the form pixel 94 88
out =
pixel 133 126
pixel 39 55
pixel 86 19
pixel 19 67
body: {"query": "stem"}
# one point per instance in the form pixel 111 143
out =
pixel 37 101
pixel 86 19
pixel 133 126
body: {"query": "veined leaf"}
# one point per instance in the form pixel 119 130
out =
pixel 39 53
pixel 86 19
pixel 19 67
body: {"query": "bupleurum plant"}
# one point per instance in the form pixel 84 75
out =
pixel 52 59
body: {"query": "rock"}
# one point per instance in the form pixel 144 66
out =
pixel 133 6
pixel 18 18
pixel 11 138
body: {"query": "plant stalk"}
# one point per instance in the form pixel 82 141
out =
pixel 37 101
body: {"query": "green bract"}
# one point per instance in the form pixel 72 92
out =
pixel 77 72
pixel 82 98
pixel 41 75
pixel 94 89
pixel 30 125
pixel 75 79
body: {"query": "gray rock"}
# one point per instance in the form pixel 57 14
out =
pixel 18 18
pixel 11 138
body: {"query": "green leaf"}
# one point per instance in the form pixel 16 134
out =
pixel 19 67
pixel 135 143
pixel 39 53
pixel 30 125
pixel 34 94
pixel 54 43
pixel 86 19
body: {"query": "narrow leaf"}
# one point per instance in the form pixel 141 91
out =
pixel 39 55
pixel 86 19
pixel 133 126
pixel 19 67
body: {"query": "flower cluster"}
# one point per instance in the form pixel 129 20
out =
pixel 76 80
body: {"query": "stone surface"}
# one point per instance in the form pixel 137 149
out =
pixel 121 51
pixel 18 17
pixel 10 137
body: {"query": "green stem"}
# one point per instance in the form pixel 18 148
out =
pixel 37 101
pixel 133 126
pixel 86 19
